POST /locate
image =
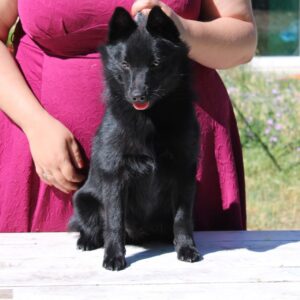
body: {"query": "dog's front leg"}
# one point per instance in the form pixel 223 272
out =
pixel 183 222
pixel 114 196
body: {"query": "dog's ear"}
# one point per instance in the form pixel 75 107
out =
pixel 159 24
pixel 121 25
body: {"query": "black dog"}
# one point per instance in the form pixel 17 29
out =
pixel 141 182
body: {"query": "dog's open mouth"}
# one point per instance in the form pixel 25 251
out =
pixel 141 105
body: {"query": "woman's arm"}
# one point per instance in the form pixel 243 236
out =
pixel 52 145
pixel 16 99
pixel 225 37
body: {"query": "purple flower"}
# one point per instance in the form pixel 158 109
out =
pixel 270 122
pixel 278 127
pixel 268 130
pixel 273 139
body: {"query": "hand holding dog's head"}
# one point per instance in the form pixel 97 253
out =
pixel 143 60
pixel 121 25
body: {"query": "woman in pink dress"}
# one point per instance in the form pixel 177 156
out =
pixel 48 120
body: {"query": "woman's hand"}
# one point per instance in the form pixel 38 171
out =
pixel 226 39
pixel 145 6
pixel 56 154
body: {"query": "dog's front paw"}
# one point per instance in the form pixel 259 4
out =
pixel 114 263
pixel 188 254
pixel 87 244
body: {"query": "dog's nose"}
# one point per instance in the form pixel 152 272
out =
pixel 138 97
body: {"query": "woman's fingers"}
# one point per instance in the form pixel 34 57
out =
pixel 66 174
pixel 146 5
pixel 62 182
pixel 59 186
pixel 69 172
pixel 48 178
pixel 75 153
pixel 63 176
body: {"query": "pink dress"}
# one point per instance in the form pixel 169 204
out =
pixel 58 57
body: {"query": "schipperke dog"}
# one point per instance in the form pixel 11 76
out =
pixel 141 181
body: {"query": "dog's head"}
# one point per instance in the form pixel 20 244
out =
pixel 144 60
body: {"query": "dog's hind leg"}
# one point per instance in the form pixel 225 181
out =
pixel 183 221
pixel 87 220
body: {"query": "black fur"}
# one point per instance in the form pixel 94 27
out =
pixel 141 182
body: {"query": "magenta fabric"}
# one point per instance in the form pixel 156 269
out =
pixel 58 58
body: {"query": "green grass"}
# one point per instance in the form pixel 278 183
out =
pixel 267 107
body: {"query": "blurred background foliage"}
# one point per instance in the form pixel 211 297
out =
pixel 267 107
pixel 278 26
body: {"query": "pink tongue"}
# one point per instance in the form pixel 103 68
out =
pixel 141 105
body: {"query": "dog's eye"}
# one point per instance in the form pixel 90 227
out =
pixel 155 63
pixel 125 65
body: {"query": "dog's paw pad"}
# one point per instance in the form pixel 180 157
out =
pixel 116 263
pixel 189 254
